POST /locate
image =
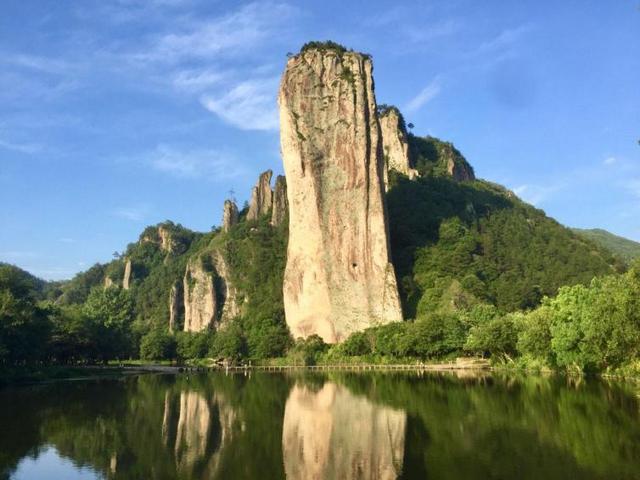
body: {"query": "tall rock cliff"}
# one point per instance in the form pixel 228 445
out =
pixel 280 204
pixel 229 215
pixel 261 197
pixel 209 297
pixel 395 146
pixel 338 278
pixel 200 300
pixel 126 278
pixel 176 306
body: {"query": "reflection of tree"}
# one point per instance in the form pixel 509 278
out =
pixel 330 433
pixel 511 427
pixel 152 426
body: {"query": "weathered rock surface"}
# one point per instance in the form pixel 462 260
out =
pixel 209 296
pixel 176 306
pixel 126 278
pixel 261 197
pixel 226 290
pixel 395 146
pixel 456 164
pixel 200 300
pixel 160 236
pixel 280 204
pixel 332 433
pixel 338 277
pixel 108 282
pixel 229 215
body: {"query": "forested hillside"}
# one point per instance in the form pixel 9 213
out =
pixel 626 249
pixel 455 245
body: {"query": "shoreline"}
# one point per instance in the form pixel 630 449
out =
pixel 53 374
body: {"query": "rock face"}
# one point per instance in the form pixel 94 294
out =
pixel 226 291
pixel 176 303
pixel 229 215
pixel 199 296
pixel 456 164
pixel 208 294
pixel 338 278
pixel 261 197
pixel 126 278
pixel 280 204
pixel 395 146
pixel 331 433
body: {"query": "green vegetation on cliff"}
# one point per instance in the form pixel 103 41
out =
pixel 469 255
pixel 455 244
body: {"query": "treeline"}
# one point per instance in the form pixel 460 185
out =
pixel 593 328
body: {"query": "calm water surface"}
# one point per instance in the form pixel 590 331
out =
pixel 311 426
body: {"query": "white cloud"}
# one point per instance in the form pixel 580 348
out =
pixel 14 255
pixel 505 39
pixel 193 80
pixel 609 161
pixel 28 148
pixel 536 194
pixel 633 186
pixel 427 94
pixel 241 30
pixel 250 105
pixel 210 164
pixel 134 213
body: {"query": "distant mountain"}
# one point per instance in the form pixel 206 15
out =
pixel 626 249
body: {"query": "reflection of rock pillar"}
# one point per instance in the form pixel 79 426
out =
pixel 193 429
pixel 334 434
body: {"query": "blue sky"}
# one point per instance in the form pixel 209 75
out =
pixel 117 114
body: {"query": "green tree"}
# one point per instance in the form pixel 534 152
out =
pixel 111 311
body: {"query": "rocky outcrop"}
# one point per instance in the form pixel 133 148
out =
pixel 108 282
pixel 226 290
pixel 280 204
pixel 209 295
pixel 338 278
pixel 200 300
pixel 395 145
pixel 460 171
pixel 176 306
pixel 455 164
pixel 126 278
pixel 331 433
pixel 261 197
pixel 161 236
pixel 229 215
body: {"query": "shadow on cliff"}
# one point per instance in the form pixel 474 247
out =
pixel 417 209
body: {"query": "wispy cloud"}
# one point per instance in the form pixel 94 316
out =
pixel 250 105
pixel 610 161
pixel 194 80
pixel 133 213
pixel 241 30
pixel 633 186
pixel 428 93
pixel 13 256
pixel 28 148
pixel 421 34
pixel 536 194
pixel 505 39
pixel 209 164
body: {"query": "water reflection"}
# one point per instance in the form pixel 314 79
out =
pixel 331 433
pixel 336 425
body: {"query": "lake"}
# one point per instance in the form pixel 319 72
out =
pixel 310 425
